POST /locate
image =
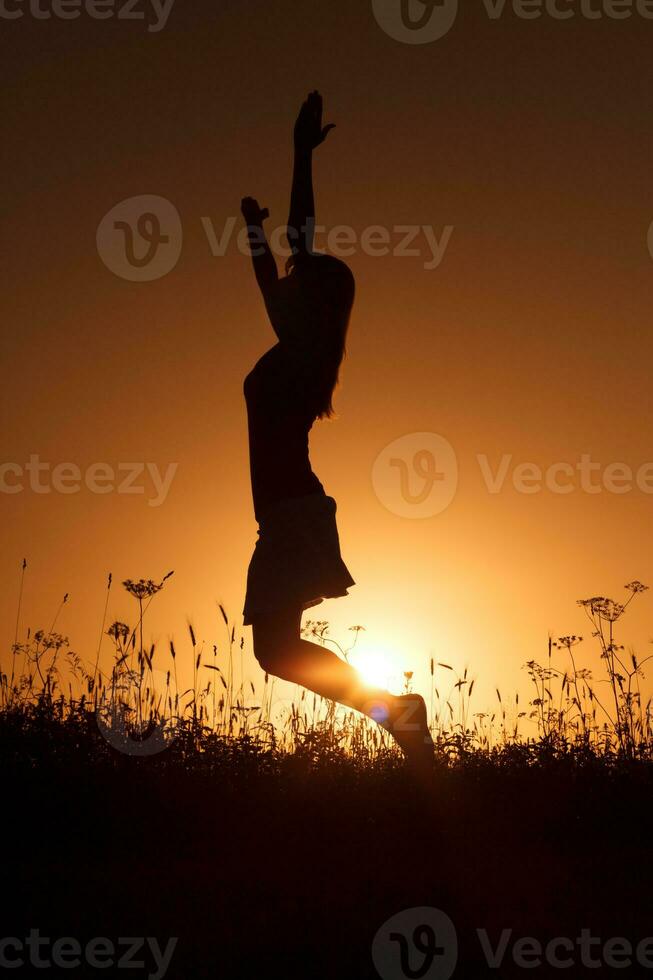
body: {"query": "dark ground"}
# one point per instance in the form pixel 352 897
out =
pixel 282 870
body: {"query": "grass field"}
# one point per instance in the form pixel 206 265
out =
pixel 283 847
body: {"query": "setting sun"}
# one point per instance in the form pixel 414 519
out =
pixel 382 668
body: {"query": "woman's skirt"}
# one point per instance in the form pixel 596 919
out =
pixel 296 559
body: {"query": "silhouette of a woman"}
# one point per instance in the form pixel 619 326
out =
pixel 297 561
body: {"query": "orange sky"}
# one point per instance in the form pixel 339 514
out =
pixel 532 139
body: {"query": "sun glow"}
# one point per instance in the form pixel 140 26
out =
pixel 381 668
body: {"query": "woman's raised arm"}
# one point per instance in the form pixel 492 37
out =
pixel 265 266
pixel 309 133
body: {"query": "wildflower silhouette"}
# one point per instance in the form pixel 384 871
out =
pixel 579 701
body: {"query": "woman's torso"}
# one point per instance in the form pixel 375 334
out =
pixel 280 414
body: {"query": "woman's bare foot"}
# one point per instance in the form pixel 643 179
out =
pixel 410 729
pixel 404 716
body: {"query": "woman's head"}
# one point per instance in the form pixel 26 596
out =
pixel 325 290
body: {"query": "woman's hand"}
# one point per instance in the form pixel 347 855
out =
pixel 252 212
pixel 309 131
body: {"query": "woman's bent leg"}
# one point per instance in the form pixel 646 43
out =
pixel 281 651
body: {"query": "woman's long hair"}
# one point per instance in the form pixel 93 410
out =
pixel 329 288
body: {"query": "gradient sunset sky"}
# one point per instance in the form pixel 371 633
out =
pixel 532 139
